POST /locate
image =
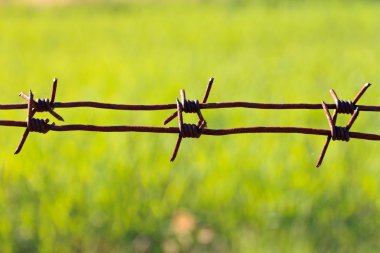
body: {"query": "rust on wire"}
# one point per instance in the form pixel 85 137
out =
pixel 185 130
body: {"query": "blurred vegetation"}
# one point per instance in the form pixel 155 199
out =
pixel 96 192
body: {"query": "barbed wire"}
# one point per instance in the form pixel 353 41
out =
pixel 185 130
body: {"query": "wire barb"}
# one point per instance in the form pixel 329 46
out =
pixel 44 105
pixel 32 124
pixel 187 130
pixel 347 107
pixel 192 106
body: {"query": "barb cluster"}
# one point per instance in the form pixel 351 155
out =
pixel 41 105
pixel 186 130
pixel 189 106
pixel 346 107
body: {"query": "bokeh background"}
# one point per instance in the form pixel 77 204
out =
pixel 118 192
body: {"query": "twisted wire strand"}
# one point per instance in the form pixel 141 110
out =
pixel 190 131
pixel 341 134
pixel 345 106
pixel 38 125
pixel 191 106
pixel 43 105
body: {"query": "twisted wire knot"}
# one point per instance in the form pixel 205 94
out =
pixel 38 125
pixel 190 131
pixel 191 106
pixel 345 106
pixel 43 105
pixel 341 134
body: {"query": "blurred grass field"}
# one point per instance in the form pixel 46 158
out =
pixel 116 192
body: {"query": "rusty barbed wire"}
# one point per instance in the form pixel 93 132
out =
pixel 185 130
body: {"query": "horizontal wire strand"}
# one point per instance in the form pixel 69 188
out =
pixel 206 131
pixel 220 105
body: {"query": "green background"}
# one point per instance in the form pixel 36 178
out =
pixel 118 192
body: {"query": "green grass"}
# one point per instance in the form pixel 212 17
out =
pixel 86 192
